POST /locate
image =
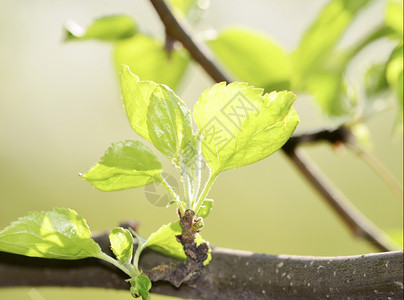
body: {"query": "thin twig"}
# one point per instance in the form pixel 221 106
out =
pixel 360 225
pixel 356 221
pixel 379 168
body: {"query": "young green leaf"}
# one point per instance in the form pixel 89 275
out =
pixel 252 57
pixel 168 121
pixel 241 126
pixel 125 165
pixel 140 286
pixel 205 209
pixel 394 17
pixel 183 7
pixel 150 61
pixel 110 28
pixel 58 234
pixel 156 113
pixel 322 36
pixel 121 244
pixel 164 241
pixel 394 75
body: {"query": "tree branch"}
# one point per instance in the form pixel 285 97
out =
pixel 230 275
pixel 356 220
pixel 358 224
pixel 179 31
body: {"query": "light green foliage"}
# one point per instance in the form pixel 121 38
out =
pixel 164 241
pixel 319 70
pixel 183 7
pixel 125 165
pixel 110 28
pixel 394 75
pixel 168 121
pixel 240 125
pixel 140 286
pixel 156 113
pixel 121 244
pixel 252 57
pixel 206 207
pixel 375 81
pixel 147 57
pixel 394 17
pixel 58 234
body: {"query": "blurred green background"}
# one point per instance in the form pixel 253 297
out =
pixel 60 109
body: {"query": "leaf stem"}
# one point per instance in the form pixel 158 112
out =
pixel 206 189
pixel 379 168
pixel 128 269
pixel 172 193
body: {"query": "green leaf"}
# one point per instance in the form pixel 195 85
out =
pixel 58 234
pixel 168 121
pixel 125 165
pixel 394 17
pixel 183 7
pixel 140 287
pixel 110 28
pixel 150 61
pixel 252 57
pixel 375 81
pixel 322 36
pixel 241 126
pixel 121 244
pixel 164 241
pixel 394 75
pixel 206 207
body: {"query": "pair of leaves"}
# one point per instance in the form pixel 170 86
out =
pixel 144 54
pixel 156 114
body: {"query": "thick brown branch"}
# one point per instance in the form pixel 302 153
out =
pixel 230 275
pixel 201 55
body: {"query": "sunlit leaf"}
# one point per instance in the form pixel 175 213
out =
pixel 394 17
pixel 59 234
pixel 206 207
pixel 110 28
pixel 121 244
pixel 147 58
pixel 394 74
pixel 252 57
pixel 125 165
pixel 168 121
pixel 140 286
pixel 164 240
pixel 183 7
pixel 240 125
pixel 322 36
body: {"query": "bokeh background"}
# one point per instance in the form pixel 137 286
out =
pixel 60 109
